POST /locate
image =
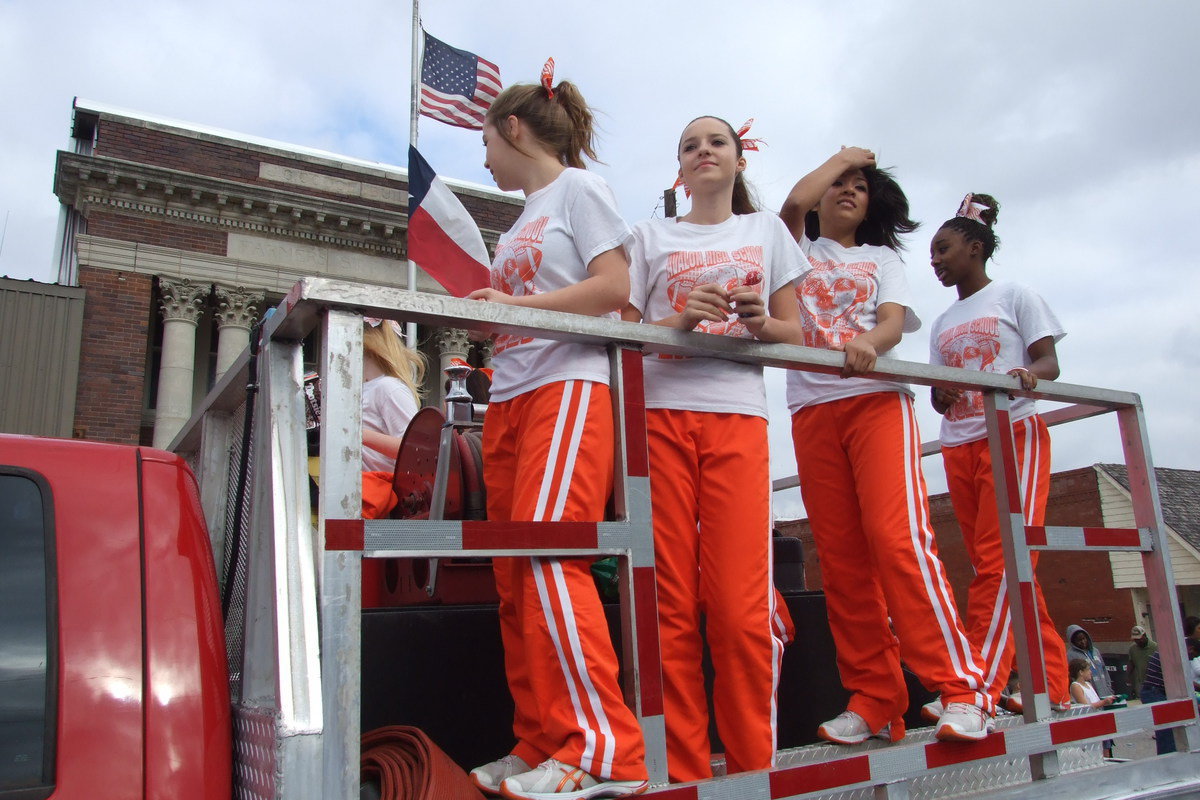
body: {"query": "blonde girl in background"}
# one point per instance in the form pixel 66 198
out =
pixel 393 374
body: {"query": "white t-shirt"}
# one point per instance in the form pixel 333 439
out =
pixel 989 331
pixel 669 258
pixel 388 407
pixel 839 295
pixel 563 227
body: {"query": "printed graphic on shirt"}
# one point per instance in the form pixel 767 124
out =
pixel 971 345
pixel 515 268
pixel 688 269
pixel 832 296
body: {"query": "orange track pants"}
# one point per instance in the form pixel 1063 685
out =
pixel 710 496
pixel 548 455
pixel 860 474
pixel 973 493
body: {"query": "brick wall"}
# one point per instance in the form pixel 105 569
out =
pixel 1078 586
pixel 150 146
pixel 157 232
pixel 218 160
pixel 112 359
pixel 491 215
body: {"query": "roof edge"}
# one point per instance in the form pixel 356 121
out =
pixel 331 159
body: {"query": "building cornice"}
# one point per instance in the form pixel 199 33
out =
pixel 292 152
pixel 96 181
pixel 84 181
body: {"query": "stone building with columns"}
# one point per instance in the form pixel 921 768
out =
pixel 181 237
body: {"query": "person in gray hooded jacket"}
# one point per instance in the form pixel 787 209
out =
pixel 1079 645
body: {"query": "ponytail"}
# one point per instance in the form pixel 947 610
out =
pixel 743 203
pixel 559 118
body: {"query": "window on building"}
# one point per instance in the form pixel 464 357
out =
pixel 28 657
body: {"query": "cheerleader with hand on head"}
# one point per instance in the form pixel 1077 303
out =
pixel 548 452
pixel 994 326
pixel 858 458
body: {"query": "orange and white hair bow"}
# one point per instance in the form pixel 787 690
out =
pixel 375 322
pixel 749 144
pixel 548 77
pixel 972 210
pixel 687 191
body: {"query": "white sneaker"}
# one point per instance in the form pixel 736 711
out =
pixel 489 777
pixel 963 722
pixel 932 711
pixel 553 780
pixel 846 728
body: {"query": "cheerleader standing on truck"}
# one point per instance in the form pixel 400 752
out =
pixel 994 326
pixel 859 460
pixel 726 269
pixel 548 452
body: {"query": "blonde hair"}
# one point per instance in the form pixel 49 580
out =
pixel 394 358
pixel 563 123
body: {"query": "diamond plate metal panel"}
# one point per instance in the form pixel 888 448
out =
pixel 253 754
pixel 892 760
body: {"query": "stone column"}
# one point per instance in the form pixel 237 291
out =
pixel 485 349
pixel 451 343
pixel 181 302
pixel 237 308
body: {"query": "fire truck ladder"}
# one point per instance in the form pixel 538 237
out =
pixel 297 654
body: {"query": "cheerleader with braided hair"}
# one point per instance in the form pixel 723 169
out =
pixel 1001 327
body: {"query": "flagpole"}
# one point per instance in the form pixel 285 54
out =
pixel 413 114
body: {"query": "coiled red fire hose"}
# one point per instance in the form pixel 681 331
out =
pixel 409 766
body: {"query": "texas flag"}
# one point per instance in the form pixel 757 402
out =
pixel 442 238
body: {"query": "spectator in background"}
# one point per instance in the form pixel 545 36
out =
pixel 1193 653
pixel 1154 690
pixel 1081 646
pixel 1083 693
pixel 1139 653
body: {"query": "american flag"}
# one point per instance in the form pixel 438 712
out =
pixel 457 87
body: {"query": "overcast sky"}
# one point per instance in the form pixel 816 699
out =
pixel 1080 117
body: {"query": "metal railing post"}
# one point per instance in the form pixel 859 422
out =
pixel 341 576
pixel 1156 565
pixel 1019 574
pixel 642 679
pixel 281 674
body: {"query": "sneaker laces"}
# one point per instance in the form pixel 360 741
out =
pixel 963 708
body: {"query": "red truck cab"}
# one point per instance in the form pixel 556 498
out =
pixel 113 675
